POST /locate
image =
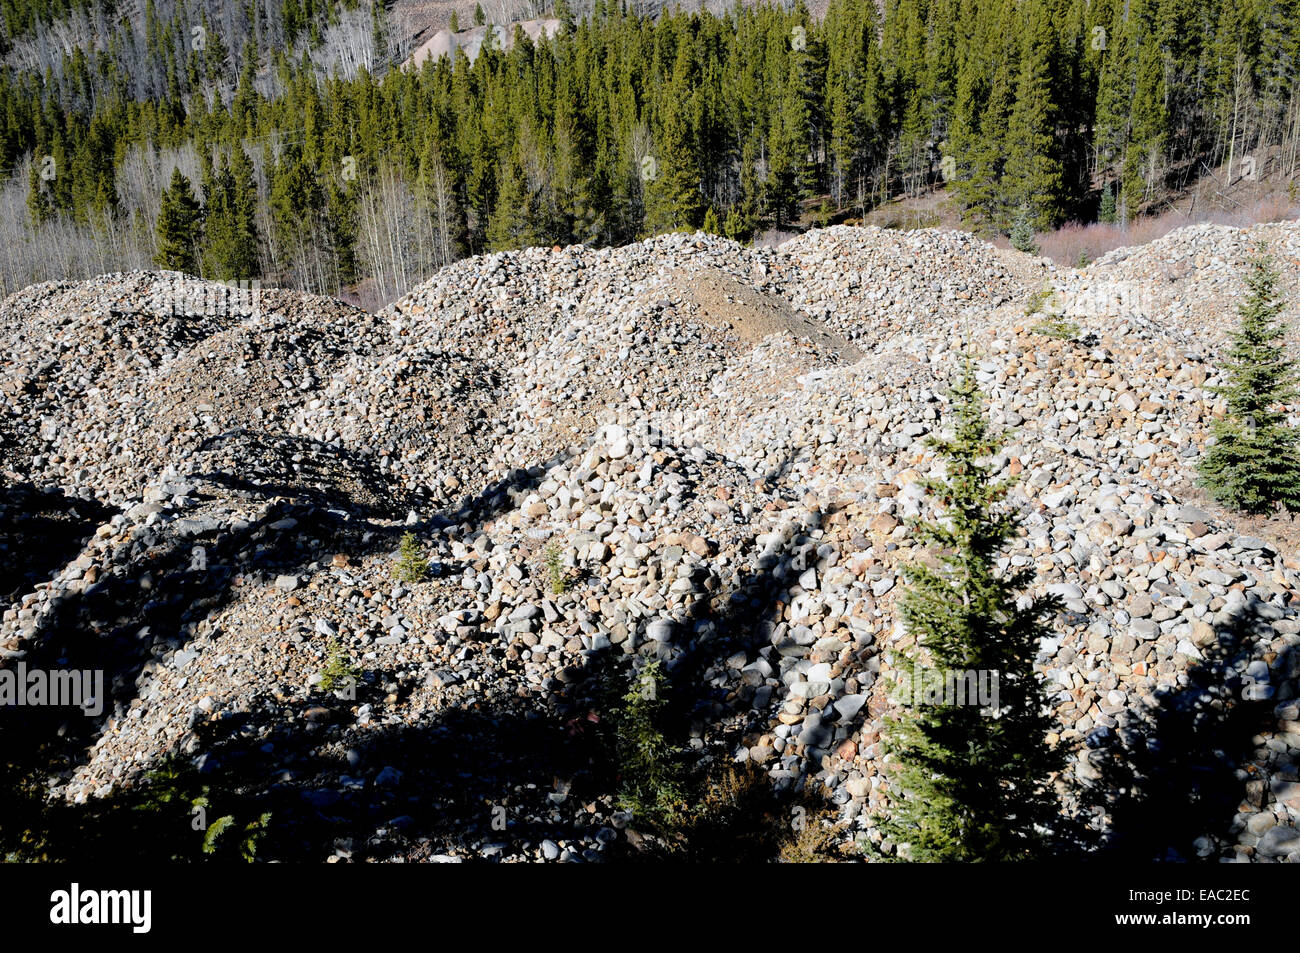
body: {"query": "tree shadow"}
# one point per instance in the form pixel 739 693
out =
pixel 1166 778
pixel 484 771
pixel 302 470
pixel 120 623
pixel 1173 777
pixel 318 500
pixel 40 532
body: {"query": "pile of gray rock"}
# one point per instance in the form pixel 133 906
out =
pixel 682 449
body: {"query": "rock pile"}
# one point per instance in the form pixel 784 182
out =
pixel 682 449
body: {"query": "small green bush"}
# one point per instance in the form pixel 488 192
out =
pixel 1108 213
pixel 1057 326
pixel 706 810
pixel 554 561
pixel 1022 236
pixel 244 843
pixel 339 669
pixel 174 783
pixel 163 817
pixel 412 562
pixel 1037 299
pixel 649 766
pixel 1254 463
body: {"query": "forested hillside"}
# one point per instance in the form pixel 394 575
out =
pixel 307 158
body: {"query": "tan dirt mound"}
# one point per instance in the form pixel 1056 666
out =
pixel 752 315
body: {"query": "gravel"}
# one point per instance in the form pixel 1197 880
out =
pixel 722 444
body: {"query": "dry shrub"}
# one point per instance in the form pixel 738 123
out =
pixel 737 816
pixel 1065 245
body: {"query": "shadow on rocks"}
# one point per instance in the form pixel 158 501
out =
pixel 1172 779
pixel 40 531
pixel 494 771
pixel 122 623
pixel 303 470
pixel 449 771
pixel 747 811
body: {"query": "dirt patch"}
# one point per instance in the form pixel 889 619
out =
pixel 751 315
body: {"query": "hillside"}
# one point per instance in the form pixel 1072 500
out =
pixel 719 445
pixel 283 142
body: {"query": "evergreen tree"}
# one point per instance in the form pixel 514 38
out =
pixel 1022 234
pixel 439 196
pixel 1146 148
pixel 378 30
pixel 1253 465
pixel 511 224
pixel 854 107
pixel 39 205
pixel 971 783
pixel 789 137
pixel 231 240
pixel 341 231
pixel 673 198
pixel 978 142
pixel 1107 212
pixel 1116 65
pixel 564 13
pixel 297 204
pixel 1026 103
pixel 734 227
pixel 178 224
pixel 1033 164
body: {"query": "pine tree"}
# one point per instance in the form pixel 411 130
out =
pixel 439 195
pixel 511 224
pixel 297 204
pixel 1022 234
pixel 788 145
pixel 1116 65
pixel 852 100
pixel 673 198
pixel 39 205
pixel 341 231
pixel 232 240
pixel 735 227
pixel 978 140
pixel 178 222
pixel 1033 162
pixel 1107 213
pixel 1025 103
pixel 971 783
pixel 1146 148
pixel 412 563
pixel 1254 465
pixel 564 13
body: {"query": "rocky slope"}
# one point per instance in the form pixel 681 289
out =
pixel 722 443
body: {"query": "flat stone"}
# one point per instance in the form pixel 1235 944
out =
pixel 1279 841
pixel 660 630
pixel 1140 606
pixel 1145 629
pixel 848 706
